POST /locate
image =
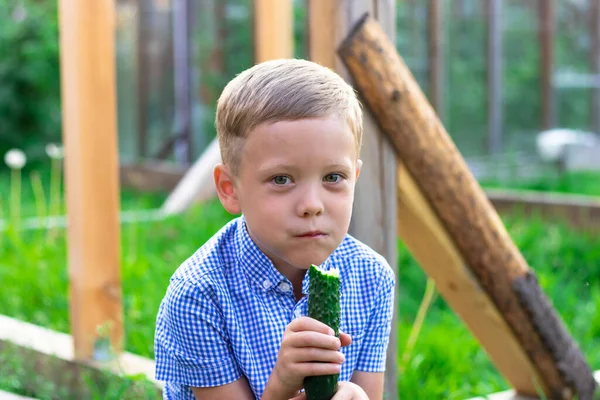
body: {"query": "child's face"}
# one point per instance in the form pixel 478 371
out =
pixel 296 187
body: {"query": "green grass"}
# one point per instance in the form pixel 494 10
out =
pixel 446 361
pixel 586 183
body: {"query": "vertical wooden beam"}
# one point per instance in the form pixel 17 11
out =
pixel 273 29
pixel 212 17
pixel 436 55
pixel 218 64
pixel 594 27
pixel 375 208
pixel 546 32
pixel 387 208
pixel 87 56
pixel 144 8
pixel 413 16
pixel 183 94
pixel 494 73
pixel 322 32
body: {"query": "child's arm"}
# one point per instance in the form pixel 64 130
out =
pixel 371 382
pixel 239 390
pixel 369 371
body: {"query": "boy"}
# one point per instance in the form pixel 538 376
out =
pixel 233 322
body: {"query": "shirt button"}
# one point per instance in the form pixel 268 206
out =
pixel 266 283
pixel 284 287
pixel 297 312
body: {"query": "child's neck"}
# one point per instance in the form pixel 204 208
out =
pixel 295 276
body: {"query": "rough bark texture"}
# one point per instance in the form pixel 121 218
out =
pixel 423 145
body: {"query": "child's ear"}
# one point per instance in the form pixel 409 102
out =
pixel 226 189
pixel 358 167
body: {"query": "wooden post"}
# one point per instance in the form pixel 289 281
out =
pixel 595 61
pixel 273 29
pixel 144 8
pixel 374 216
pixel 436 55
pixel 546 34
pixel 182 16
pixel 87 57
pixel 494 71
pixel 432 159
pixel 322 32
pixel 211 48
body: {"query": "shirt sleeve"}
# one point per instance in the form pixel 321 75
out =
pixel 191 345
pixel 377 335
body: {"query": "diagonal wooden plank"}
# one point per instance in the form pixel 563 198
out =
pixel 433 248
pixel 443 176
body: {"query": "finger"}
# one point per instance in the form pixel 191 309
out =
pixel 318 368
pixel 313 354
pixel 310 324
pixel 313 339
pixel 345 339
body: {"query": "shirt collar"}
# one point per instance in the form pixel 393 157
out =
pixel 257 266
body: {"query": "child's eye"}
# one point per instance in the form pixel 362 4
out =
pixel 332 178
pixel 281 180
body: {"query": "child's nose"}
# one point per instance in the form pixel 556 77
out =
pixel 310 203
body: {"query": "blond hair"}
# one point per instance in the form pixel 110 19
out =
pixel 282 90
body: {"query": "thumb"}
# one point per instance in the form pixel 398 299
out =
pixel 345 339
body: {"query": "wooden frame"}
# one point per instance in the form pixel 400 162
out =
pixel 49 354
pixel 537 351
pixel 92 179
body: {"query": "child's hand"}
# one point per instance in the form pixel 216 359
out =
pixel 349 391
pixel 346 391
pixel 308 348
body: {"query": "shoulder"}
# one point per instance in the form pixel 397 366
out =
pixel 214 255
pixel 354 257
pixel 207 267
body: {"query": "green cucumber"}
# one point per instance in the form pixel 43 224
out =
pixel 324 306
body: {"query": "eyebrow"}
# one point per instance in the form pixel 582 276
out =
pixel 269 168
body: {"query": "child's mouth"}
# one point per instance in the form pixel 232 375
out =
pixel 312 234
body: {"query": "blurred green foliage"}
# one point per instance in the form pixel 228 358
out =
pixel 30 112
pixel 30 85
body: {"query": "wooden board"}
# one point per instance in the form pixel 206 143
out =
pixel 87 59
pixel 374 216
pixel 546 38
pixel 273 30
pixel 47 357
pixel 433 248
pixel 436 48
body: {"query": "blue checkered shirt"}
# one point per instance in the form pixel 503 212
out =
pixel 227 307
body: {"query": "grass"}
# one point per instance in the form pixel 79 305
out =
pixel 587 183
pixel 446 361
